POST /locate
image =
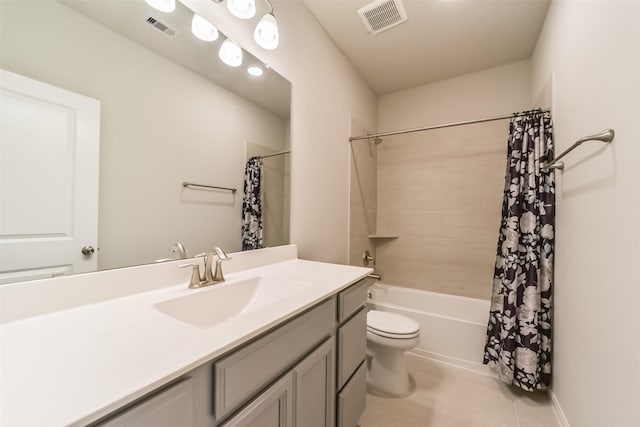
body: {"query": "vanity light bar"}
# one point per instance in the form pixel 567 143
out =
pixel 266 33
pixel 162 5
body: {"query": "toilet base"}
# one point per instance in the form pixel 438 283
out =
pixel 374 391
pixel 387 370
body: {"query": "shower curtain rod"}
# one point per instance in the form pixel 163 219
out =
pixel 446 125
pixel 275 154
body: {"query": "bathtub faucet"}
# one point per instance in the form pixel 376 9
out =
pixel 367 258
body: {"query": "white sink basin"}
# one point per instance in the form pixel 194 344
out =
pixel 218 303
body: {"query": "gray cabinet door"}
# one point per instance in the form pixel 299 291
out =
pixel 353 398
pixel 314 389
pixel 272 408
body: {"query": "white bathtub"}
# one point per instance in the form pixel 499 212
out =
pixel 452 328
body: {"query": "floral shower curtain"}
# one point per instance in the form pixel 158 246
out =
pixel 252 205
pixel 519 331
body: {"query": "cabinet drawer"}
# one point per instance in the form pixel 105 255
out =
pixel 239 375
pixel 352 346
pixel 172 406
pixel 352 399
pixel 352 298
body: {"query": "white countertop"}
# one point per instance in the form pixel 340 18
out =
pixel 73 366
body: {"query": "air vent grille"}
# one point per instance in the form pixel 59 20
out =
pixel 382 15
pixel 165 29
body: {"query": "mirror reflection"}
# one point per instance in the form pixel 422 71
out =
pixel 164 110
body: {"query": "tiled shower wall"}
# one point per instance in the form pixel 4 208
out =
pixel 440 191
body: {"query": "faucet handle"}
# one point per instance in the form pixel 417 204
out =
pixel 196 280
pixel 218 276
pixel 222 256
pixel 367 257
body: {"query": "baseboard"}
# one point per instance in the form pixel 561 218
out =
pixel 452 361
pixel 562 418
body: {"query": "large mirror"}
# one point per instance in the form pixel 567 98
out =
pixel 169 112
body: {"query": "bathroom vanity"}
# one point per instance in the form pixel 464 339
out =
pixel 281 343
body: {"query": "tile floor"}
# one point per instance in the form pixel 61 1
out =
pixel 446 396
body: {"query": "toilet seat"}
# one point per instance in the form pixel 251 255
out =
pixel 392 336
pixel 391 325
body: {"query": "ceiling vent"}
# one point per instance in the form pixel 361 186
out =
pixel 165 29
pixel 382 15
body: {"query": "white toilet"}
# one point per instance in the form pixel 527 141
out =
pixel 389 335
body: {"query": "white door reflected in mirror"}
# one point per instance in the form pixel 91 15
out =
pixel 50 143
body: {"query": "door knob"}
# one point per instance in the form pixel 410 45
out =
pixel 88 250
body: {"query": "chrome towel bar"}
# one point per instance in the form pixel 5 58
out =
pixel 191 184
pixel 604 136
pixel 275 154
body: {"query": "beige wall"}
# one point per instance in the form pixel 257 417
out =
pixel 326 93
pixel 440 191
pixel 591 49
pixel 146 152
pixel 362 195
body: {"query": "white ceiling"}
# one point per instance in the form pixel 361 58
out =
pixel 441 39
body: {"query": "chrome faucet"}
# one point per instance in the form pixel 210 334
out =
pixel 197 281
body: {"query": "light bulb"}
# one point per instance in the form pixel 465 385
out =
pixel 255 71
pixel 162 5
pixel 202 29
pixel 266 33
pixel 230 53
pixel 243 9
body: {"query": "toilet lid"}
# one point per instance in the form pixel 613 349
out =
pixel 391 323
